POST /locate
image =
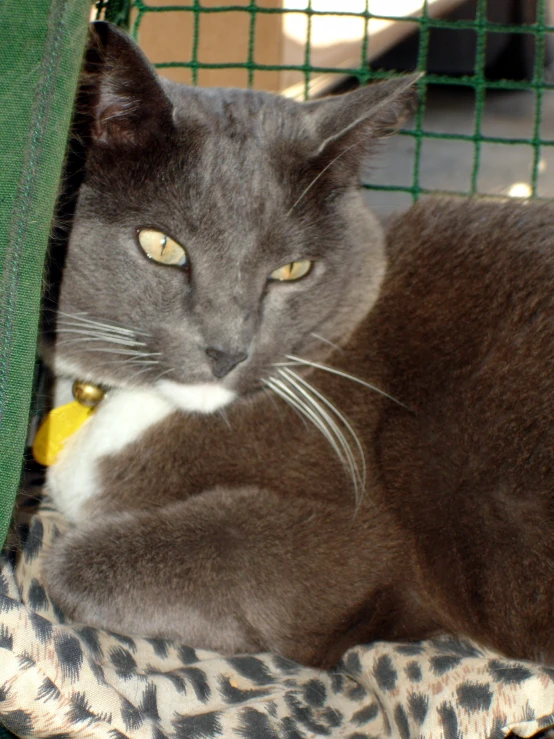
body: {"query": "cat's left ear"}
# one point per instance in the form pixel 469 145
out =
pixel 363 115
pixel 121 90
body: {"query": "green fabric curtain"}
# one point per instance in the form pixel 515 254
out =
pixel 41 47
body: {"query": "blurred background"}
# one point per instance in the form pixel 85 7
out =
pixel 485 119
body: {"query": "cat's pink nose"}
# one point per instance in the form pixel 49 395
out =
pixel 223 362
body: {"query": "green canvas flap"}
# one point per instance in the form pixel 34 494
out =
pixel 41 47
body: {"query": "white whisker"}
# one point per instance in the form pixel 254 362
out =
pixel 280 389
pixel 123 352
pixel 95 337
pixel 360 477
pixel 130 362
pixel 136 374
pixel 339 436
pixel 286 393
pixel 224 417
pixel 135 361
pixel 79 318
pixel 333 371
pixel 162 374
pixel 272 399
pixel 92 329
pixel 326 341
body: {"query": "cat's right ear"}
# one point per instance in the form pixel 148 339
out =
pixel 121 91
pixel 355 119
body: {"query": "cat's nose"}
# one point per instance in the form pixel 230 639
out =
pixel 223 362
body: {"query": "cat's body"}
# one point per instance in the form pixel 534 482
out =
pixel 242 530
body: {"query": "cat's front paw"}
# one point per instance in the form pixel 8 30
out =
pixel 63 579
pixel 121 418
pixel 77 579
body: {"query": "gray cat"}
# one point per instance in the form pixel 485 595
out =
pixel 315 434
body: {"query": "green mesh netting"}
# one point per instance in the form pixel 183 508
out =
pixel 531 29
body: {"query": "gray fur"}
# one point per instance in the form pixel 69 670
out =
pixel 233 176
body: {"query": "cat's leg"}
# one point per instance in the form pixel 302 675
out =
pixel 237 571
pixel 122 418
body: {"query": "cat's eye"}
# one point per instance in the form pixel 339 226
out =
pixel 161 248
pixel 292 271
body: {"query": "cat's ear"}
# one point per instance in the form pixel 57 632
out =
pixel 121 90
pixel 363 115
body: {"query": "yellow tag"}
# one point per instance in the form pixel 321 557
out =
pixel 56 428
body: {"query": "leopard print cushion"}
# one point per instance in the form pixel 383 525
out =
pixel 61 680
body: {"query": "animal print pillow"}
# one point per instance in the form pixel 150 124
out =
pixel 60 680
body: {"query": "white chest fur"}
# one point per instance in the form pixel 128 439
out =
pixel 120 420
pixel 122 417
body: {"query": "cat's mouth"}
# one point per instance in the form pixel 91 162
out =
pixel 114 355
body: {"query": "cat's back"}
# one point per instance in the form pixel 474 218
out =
pixel 467 278
pixel 465 324
pixel 475 241
pixel 465 333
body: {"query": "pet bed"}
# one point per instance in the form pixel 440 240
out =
pixel 63 680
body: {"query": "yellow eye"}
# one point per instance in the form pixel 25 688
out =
pixel 292 271
pixel 161 248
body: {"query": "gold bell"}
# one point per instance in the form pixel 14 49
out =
pixel 87 394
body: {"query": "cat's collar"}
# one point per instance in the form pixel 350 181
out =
pixel 63 421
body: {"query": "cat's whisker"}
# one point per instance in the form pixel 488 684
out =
pixel 268 393
pixel 327 341
pixel 137 374
pixel 145 356
pixel 298 406
pixel 84 317
pixel 347 459
pixel 88 333
pixel 93 325
pixel 320 421
pixel 107 339
pixel 360 475
pixel 286 393
pixel 358 479
pixel 134 361
pixel 123 352
pixel 138 360
pixel 223 415
pixel 333 371
pixel 79 318
pixel 162 374
pixel 85 327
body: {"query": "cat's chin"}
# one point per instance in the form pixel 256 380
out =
pixel 204 397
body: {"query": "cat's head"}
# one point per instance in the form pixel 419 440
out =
pixel 217 231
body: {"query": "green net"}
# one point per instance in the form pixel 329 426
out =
pixel 468 128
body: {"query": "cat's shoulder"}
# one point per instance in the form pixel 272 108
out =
pixel 463 235
pixel 473 262
pixel 468 223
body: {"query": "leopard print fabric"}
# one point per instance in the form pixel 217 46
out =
pixel 60 680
